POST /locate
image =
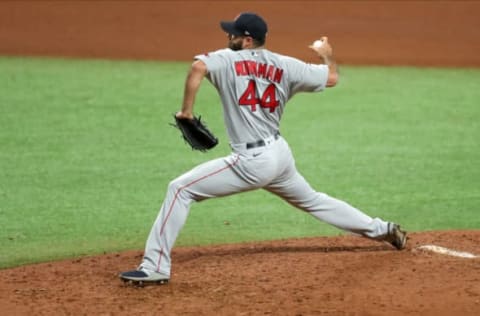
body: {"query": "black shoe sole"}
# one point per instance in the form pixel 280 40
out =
pixel 143 283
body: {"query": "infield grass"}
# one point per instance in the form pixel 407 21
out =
pixel 86 154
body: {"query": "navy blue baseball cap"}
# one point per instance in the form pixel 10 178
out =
pixel 246 24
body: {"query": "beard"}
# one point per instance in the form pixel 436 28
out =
pixel 235 45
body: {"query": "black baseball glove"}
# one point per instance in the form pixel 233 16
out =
pixel 195 133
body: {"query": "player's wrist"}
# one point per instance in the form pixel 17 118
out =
pixel 184 115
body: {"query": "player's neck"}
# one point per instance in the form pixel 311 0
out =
pixel 253 47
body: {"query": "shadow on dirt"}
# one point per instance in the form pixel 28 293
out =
pixel 254 250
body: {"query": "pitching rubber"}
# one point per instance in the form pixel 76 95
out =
pixel 446 251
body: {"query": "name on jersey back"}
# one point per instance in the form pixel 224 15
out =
pixel 259 70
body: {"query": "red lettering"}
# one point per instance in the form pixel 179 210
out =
pixel 251 67
pixel 267 101
pixel 261 70
pixel 278 75
pixel 269 75
pixel 240 68
pixel 249 97
pixel 269 98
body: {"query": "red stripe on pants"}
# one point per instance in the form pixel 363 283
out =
pixel 176 196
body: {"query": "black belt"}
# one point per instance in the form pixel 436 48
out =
pixel 261 142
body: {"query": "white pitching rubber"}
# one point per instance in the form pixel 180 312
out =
pixel 448 252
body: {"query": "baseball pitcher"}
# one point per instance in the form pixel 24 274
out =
pixel 254 85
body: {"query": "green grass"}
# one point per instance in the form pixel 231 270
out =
pixel 86 154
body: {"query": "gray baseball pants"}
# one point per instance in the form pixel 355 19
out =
pixel 271 167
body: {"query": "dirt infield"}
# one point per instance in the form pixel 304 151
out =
pixel 316 276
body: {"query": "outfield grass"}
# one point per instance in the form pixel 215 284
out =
pixel 87 152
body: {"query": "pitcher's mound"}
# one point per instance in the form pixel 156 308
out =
pixel 314 276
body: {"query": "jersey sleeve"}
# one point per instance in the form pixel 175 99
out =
pixel 215 61
pixel 306 77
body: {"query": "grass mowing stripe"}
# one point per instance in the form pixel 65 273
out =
pixel 87 153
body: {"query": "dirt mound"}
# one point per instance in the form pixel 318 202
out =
pixel 335 275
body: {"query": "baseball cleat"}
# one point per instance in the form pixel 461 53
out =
pixel 396 237
pixel 143 277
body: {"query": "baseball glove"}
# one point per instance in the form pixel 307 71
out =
pixel 195 133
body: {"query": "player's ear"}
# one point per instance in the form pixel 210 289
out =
pixel 248 42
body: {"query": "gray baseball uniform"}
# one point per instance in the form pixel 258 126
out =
pixel 254 86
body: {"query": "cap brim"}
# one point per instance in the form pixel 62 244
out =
pixel 229 27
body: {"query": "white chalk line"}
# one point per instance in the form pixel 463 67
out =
pixel 446 251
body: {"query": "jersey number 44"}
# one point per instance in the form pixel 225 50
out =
pixel 267 100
